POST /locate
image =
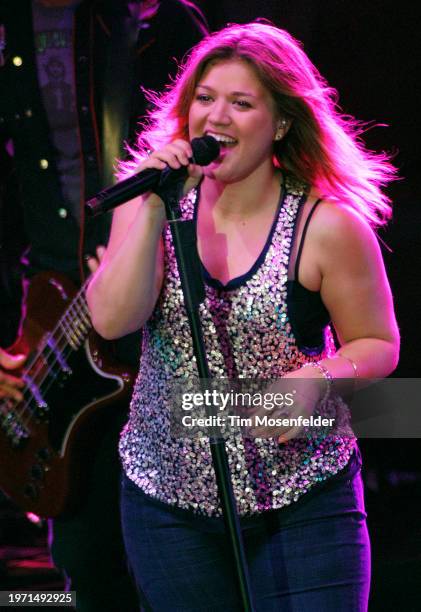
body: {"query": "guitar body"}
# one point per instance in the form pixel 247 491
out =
pixel 72 385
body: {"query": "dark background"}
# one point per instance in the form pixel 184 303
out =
pixel 370 50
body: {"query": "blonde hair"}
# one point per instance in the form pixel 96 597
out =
pixel 323 147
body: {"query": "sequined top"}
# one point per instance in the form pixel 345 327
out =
pixel 247 334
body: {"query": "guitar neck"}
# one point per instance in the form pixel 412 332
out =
pixel 75 323
pixel 67 336
pixel 45 365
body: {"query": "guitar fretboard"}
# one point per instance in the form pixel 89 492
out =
pixel 44 366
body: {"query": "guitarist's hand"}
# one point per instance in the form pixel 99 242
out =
pixel 10 385
pixel 93 262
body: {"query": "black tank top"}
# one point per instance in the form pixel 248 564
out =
pixel 307 313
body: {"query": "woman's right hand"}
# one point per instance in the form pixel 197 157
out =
pixel 123 292
pixel 174 155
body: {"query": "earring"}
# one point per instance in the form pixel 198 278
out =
pixel 281 130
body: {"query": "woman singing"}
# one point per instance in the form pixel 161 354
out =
pixel 284 221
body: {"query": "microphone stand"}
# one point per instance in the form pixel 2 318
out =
pixel 185 246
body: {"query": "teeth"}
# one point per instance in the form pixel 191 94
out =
pixel 222 138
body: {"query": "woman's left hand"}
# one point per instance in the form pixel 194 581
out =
pixel 301 391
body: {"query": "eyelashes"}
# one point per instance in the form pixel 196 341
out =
pixel 207 99
pixel 202 98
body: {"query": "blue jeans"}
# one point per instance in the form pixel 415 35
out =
pixel 313 556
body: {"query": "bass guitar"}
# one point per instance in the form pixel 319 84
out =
pixel 71 384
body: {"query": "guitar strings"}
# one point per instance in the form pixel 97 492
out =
pixel 50 373
pixel 44 368
pixel 61 350
pixel 68 331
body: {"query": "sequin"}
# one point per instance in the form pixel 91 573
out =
pixel 247 335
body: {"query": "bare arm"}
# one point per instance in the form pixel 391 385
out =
pixel 342 259
pixel 125 288
pixel 123 291
pixel 356 291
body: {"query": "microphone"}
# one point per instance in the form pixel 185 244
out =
pixel 205 150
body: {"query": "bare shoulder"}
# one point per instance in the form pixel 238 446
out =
pixel 337 221
pixel 339 225
pixel 342 238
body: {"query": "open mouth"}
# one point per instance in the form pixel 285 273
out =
pixel 225 142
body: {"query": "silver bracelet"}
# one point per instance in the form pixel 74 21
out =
pixel 351 361
pixel 326 375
